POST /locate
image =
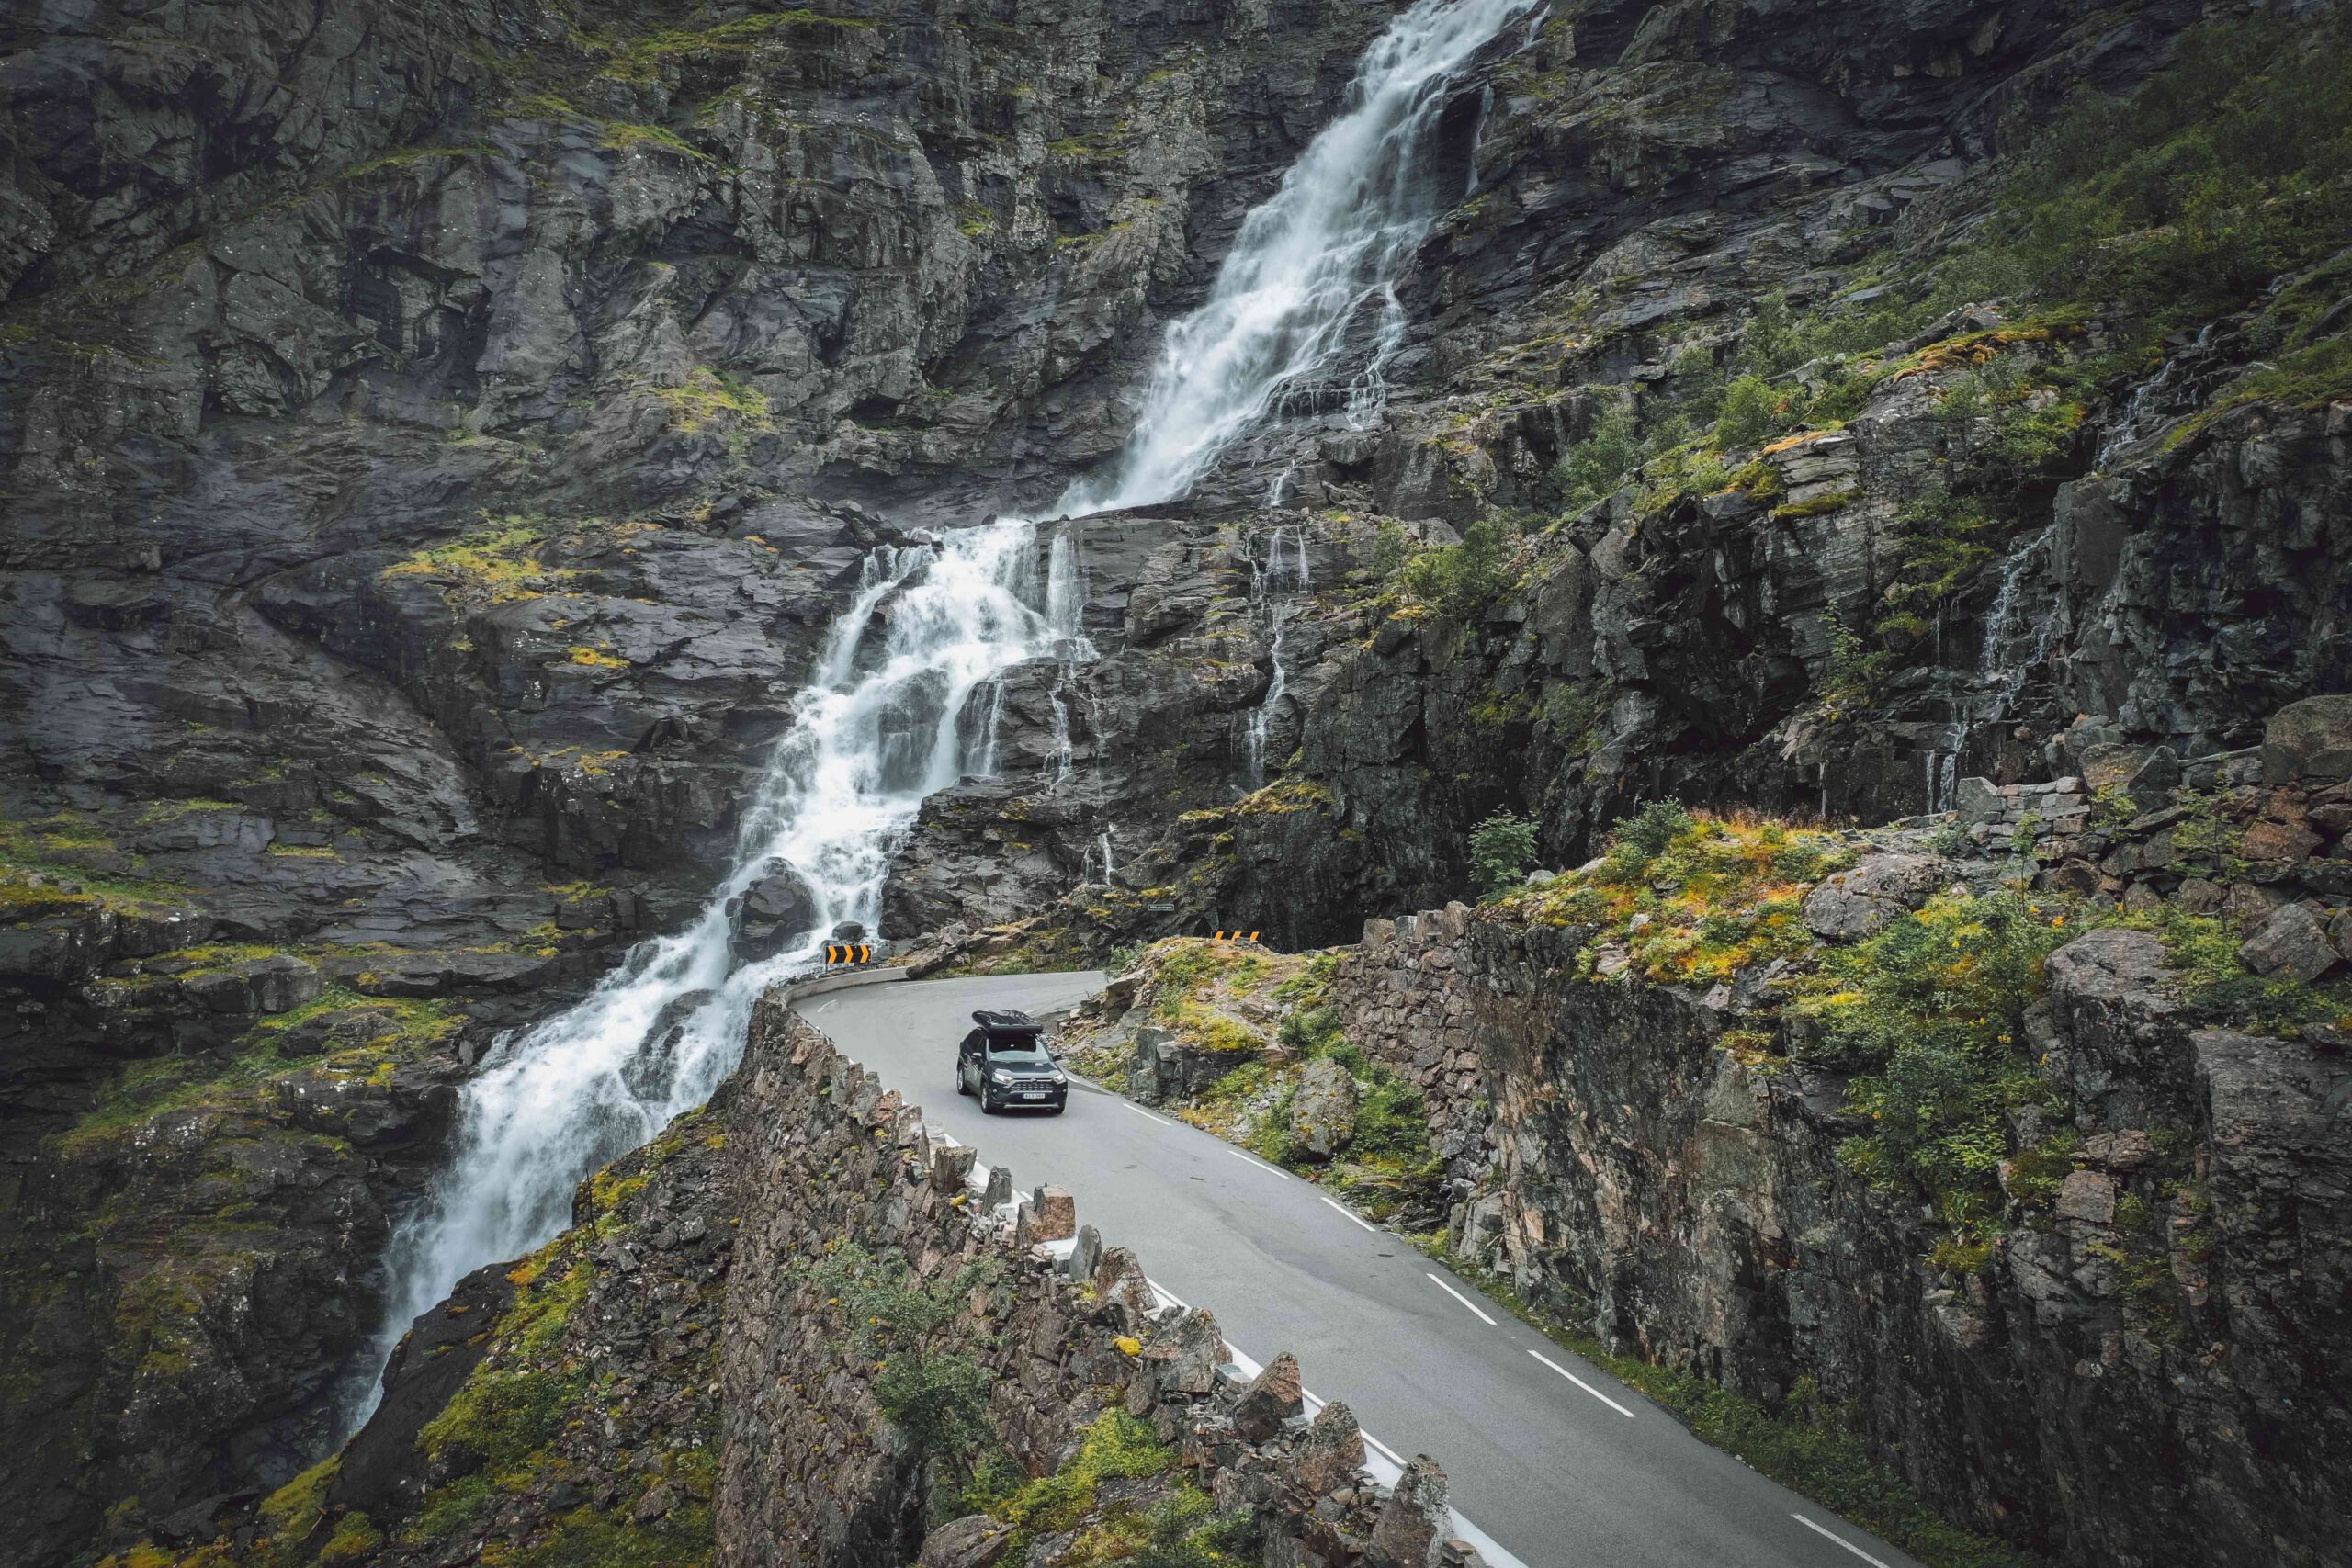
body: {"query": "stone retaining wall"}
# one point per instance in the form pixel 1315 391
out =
pixel 812 1472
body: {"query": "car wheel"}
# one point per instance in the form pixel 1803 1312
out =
pixel 988 1103
pixel 961 1087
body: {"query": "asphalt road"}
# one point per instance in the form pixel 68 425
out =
pixel 1550 1457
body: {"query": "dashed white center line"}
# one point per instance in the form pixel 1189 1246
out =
pixel 1350 1214
pixel 1596 1392
pixel 1846 1544
pixel 1466 1301
pixel 1262 1165
pixel 1146 1114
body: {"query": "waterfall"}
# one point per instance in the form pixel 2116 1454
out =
pixel 1477 133
pixel 876 733
pixel 986 720
pixel 885 721
pixel 1275 577
pixel 2000 678
pixel 1058 770
pixel 1333 237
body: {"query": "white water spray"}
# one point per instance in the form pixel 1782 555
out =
pixel 876 733
pixel 1333 239
pixel 885 722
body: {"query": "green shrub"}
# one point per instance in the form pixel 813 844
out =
pixel 1650 831
pixel 1752 412
pixel 1501 849
pixel 1458 580
pixel 1930 1010
pixel 1595 466
pixel 932 1393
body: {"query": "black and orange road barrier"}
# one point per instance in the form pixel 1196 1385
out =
pixel 849 953
pixel 1236 936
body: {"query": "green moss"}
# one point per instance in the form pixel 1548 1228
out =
pixel 1694 898
pixel 1117 1446
pixel 151 1088
pixel 712 396
pixel 500 1421
pixel 2307 377
pixel 643 57
pixel 496 564
pixel 588 1537
pixel 1818 506
pixel 622 136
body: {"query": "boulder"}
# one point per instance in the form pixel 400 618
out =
pixel 1323 1115
pixel 2087 1196
pixel 1331 1452
pixel 1054 1216
pixel 2291 943
pixel 1855 903
pixel 1977 800
pixel 277 983
pixel 773 912
pixel 1414 1523
pixel 1274 1396
pixel 2309 740
pixel 975 1541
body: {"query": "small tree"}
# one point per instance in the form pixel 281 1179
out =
pixel 1653 829
pixel 1501 849
pixel 933 1395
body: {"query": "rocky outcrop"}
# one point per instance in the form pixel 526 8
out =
pixel 207 1143
pixel 740 1421
pixel 436 437
pixel 2115 1381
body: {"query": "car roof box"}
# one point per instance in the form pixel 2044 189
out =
pixel 1007 1022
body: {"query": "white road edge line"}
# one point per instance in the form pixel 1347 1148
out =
pixel 1466 1301
pixel 1146 1114
pixel 1846 1544
pixel 1592 1391
pixel 1358 1219
pixel 1262 1165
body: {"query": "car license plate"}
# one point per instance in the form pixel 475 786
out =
pixel 1035 1094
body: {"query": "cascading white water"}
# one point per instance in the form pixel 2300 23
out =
pixel 1335 235
pixel 2000 674
pixel 885 722
pixel 876 733
pixel 1275 578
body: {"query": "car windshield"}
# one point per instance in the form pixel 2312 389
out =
pixel 1018 1054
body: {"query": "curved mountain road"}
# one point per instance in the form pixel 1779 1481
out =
pixel 1552 1458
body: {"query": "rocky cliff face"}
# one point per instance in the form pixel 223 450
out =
pixel 436 439
pixel 1795 472
pixel 738 1410
pixel 1857 1122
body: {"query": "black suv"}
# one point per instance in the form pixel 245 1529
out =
pixel 1003 1063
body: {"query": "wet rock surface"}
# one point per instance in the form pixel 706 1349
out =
pixel 436 440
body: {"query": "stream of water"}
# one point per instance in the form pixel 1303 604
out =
pixel 906 692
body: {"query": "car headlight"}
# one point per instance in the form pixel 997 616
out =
pixel 999 1076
